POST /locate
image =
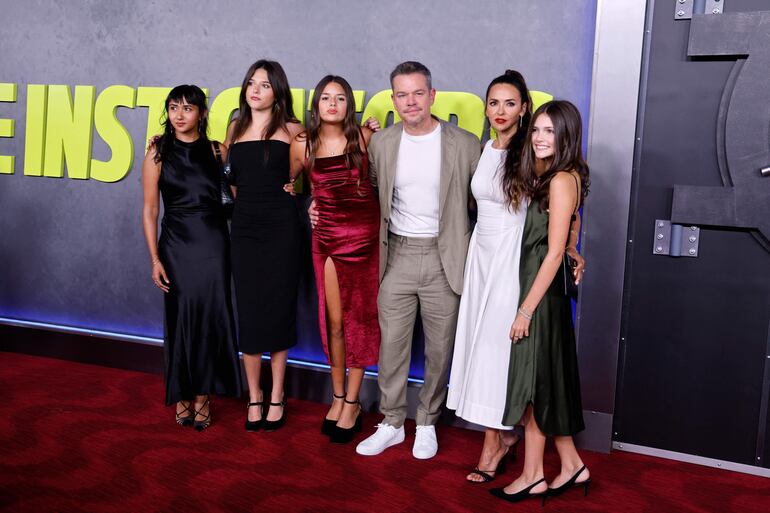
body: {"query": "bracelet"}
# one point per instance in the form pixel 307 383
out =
pixel 155 260
pixel 524 314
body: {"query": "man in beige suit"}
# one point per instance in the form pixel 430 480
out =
pixel 422 168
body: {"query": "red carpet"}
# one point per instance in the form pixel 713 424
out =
pixel 82 438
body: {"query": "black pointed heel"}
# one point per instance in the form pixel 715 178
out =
pixel 571 483
pixel 255 425
pixel 185 420
pixel 274 425
pixel 328 424
pixel 345 435
pixel 200 425
pixel 520 495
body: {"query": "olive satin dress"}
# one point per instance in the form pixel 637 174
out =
pixel 543 368
pixel 266 240
pixel 199 332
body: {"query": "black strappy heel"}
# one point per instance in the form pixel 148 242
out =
pixel 327 428
pixel 255 425
pixel 274 425
pixel 511 455
pixel 572 483
pixel 488 476
pixel 345 435
pixel 185 420
pixel 200 425
pixel 520 495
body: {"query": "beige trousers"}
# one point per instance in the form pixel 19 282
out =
pixel 414 277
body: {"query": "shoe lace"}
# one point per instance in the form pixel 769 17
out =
pixel 423 432
pixel 383 430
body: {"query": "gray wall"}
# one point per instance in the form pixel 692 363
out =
pixel 72 251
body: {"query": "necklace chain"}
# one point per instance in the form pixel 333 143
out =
pixel 331 152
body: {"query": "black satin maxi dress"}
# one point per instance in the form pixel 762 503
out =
pixel 200 351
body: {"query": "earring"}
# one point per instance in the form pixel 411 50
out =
pixel 521 121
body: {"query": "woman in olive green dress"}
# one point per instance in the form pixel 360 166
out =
pixel 543 382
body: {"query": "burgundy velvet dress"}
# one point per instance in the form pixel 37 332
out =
pixel 347 232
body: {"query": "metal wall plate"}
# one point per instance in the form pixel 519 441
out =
pixel 675 239
pixel 714 6
pixel 683 9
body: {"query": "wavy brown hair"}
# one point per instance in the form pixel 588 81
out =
pixel 283 110
pixel 567 152
pixel 350 128
pixel 513 184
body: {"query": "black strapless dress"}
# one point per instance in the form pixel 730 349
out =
pixel 266 239
pixel 199 332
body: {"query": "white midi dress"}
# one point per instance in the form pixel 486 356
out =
pixel 479 375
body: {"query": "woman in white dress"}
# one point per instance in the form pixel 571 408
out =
pixel 479 375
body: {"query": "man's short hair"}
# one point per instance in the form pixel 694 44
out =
pixel 408 67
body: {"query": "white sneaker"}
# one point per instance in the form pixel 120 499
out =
pixel 385 436
pixel 425 443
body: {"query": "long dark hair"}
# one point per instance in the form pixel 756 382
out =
pixel 567 151
pixel 283 110
pixel 193 95
pixel 350 128
pixel 513 184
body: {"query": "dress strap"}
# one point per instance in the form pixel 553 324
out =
pixel 363 140
pixel 577 198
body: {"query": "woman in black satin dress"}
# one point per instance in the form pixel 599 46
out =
pixel 265 235
pixel 190 262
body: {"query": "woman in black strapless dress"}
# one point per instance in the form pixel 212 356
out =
pixel 265 234
pixel 190 262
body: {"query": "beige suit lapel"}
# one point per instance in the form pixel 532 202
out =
pixel 390 155
pixel 448 149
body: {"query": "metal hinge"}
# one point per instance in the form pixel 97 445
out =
pixel 684 9
pixel 675 239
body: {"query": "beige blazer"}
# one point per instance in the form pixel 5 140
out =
pixel 460 151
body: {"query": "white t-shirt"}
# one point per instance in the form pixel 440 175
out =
pixel 414 209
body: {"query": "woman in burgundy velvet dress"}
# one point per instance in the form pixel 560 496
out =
pixel 345 252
